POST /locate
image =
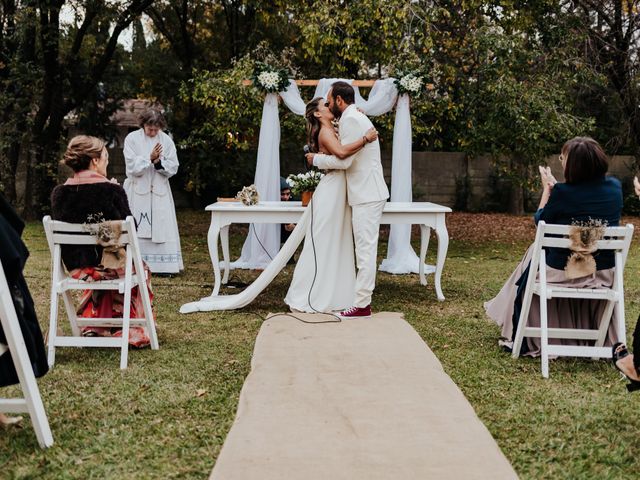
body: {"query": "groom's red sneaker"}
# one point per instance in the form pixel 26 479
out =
pixel 356 312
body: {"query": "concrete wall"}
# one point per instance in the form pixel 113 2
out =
pixel 462 182
pixel 448 178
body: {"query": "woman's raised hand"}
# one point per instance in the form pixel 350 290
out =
pixel 372 134
pixel 547 178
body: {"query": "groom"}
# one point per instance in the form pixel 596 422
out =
pixel 366 191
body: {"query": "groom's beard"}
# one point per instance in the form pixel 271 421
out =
pixel 336 112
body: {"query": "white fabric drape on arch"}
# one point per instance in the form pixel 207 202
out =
pixel 401 258
pixel 263 240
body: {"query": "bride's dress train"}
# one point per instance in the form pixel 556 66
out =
pixel 334 284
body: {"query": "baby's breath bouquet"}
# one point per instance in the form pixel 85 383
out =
pixel 270 79
pixel 411 83
pixel 304 182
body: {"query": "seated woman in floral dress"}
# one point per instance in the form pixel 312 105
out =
pixel 587 195
pixel 89 197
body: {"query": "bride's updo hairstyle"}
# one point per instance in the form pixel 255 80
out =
pixel 313 123
pixel 80 150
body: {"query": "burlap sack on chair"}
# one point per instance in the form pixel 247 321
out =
pixel 583 243
pixel 113 253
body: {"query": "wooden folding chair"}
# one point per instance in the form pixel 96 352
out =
pixel 61 233
pixel 32 402
pixel 617 239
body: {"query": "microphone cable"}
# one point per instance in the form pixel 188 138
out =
pixel 337 319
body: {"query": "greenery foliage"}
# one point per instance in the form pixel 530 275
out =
pixel 511 78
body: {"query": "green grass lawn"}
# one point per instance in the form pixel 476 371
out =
pixel 152 420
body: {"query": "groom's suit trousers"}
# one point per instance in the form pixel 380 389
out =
pixel 365 219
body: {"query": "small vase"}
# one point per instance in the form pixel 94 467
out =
pixel 306 198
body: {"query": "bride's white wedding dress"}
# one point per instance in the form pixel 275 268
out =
pixel 324 278
pixel 334 286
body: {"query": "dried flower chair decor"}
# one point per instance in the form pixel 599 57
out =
pixel 584 237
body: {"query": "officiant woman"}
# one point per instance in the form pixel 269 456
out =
pixel 151 159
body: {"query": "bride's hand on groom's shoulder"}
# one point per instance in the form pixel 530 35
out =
pixel 371 135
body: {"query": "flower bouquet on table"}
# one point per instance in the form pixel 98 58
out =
pixel 248 195
pixel 304 184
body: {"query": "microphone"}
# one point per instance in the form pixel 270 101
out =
pixel 306 150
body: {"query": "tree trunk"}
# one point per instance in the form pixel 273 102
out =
pixel 516 199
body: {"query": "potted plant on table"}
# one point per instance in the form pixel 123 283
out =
pixel 304 184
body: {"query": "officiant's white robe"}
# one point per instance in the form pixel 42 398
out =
pixel 151 201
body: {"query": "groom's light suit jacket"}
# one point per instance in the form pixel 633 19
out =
pixel 365 180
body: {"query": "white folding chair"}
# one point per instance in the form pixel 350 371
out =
pixel 32 402
pixel 616 239
pixel 61 233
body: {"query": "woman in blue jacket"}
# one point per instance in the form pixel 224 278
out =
pixel 586 195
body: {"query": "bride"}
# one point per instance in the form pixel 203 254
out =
pixel 324 278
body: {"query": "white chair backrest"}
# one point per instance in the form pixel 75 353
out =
pixel 615 238
pixel 63 233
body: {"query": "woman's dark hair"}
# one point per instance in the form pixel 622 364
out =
pixel 585 160
pixel 313 124
pixel 344 90
pixel 80 150
pixel 153 118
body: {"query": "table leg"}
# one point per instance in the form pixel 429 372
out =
pixel 425 233
pixel 212 238
pixel 443 246
pixel 224 239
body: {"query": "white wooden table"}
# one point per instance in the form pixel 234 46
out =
pixel 427 215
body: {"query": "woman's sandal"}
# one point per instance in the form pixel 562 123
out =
pixel 618 352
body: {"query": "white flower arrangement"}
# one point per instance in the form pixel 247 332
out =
pixel 411 83
pixel 270 79
pixel 248 195
pixel 304 182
